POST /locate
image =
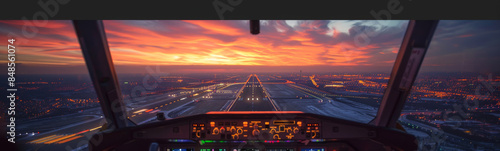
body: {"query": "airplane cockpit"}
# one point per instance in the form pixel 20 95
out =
pixel 272 129
pixel 254 131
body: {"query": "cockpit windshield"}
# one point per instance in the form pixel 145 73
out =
pixel 181 68
pixel 335 68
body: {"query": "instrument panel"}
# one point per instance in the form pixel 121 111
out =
pixel 338 147
pixel 252 129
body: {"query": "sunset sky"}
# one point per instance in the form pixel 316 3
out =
pixel 228 46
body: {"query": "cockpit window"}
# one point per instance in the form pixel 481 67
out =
pixel 454 102
pixel 55 106
pixel 337 68
pixel 180 68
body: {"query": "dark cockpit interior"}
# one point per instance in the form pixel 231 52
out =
pixel 239 129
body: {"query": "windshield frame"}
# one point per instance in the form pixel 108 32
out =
pixel 94 45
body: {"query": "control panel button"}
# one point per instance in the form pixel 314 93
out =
pixel 255 132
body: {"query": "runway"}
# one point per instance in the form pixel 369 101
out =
pixel 66 136
pixel 252 97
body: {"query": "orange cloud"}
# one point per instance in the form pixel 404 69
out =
pixel 210 43
pixel 217 27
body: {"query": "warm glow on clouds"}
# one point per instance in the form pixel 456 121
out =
pixel 54 43
pixel 230 43
pixel 292 43
pixel 282 44
pixel 217 27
